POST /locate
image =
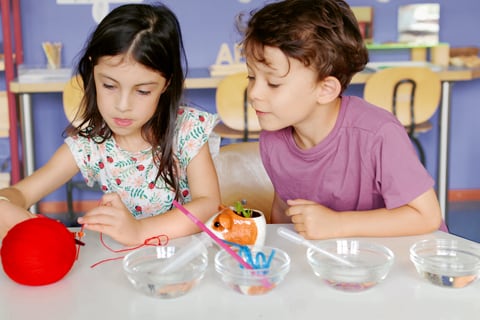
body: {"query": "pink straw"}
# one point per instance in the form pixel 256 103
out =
pixel 219 241
pixel 212 235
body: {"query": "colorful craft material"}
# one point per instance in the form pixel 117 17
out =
pixel 38 252
pixel 160 240
pixel 229 224
pixel 257 261
pixel 219 241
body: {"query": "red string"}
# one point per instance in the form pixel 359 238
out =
pixel 78 240
pixel 160 240
pixel 80 243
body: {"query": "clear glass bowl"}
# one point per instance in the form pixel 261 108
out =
pixel 143 268
pixel 371 264
pixel 447 263
pixel 259 280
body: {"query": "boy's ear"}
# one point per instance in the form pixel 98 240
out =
pixel 329 89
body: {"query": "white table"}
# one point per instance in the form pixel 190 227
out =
pixel 104 293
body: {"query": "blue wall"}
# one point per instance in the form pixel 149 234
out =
pixel 208 23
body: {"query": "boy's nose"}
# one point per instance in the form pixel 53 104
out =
pixel 252 92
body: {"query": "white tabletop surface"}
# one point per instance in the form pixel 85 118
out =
pixel 104 292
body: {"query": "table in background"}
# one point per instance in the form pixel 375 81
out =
pixel 105 293
pixel 200 79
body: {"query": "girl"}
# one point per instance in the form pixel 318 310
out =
pixel 134 140
pixel 340 167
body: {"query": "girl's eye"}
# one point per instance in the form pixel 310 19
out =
pixel 143 92
pixel 108 86
pixel 272 85
pixel 250 78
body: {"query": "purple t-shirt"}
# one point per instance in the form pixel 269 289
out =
pixel 366 162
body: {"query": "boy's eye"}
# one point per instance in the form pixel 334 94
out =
pixel 273 85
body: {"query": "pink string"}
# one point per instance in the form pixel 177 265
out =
pixel 160 240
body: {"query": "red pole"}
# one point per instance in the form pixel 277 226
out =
pixel 9 75
pixel 17 32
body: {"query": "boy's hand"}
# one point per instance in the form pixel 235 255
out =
pixel 112 218
pixel 312 220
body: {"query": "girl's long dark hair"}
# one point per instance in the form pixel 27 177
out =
pixel 151 35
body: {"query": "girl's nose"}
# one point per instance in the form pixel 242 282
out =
pixel 123 103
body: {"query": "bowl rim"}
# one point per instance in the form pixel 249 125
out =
pixel 126 259
pixel 447 245
pixel 378 247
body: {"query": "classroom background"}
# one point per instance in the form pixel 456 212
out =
pixel 207 24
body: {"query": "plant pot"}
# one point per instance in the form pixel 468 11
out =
pixel 230 226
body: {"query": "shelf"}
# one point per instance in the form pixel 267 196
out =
pixel 395 45
pixel 35 75
pixel 439 53
pixel 2 61
pixel 4 179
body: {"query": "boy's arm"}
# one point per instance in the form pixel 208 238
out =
pixel 314 221
pixel 278 211
pixel 421 215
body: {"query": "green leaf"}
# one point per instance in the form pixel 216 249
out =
pixel 247 213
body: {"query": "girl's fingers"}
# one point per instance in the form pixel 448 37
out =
pixel 100 215
pixel 96 227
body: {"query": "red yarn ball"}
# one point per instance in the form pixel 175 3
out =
pixel 38 251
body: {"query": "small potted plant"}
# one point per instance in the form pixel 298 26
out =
pixel 239 224
pixel 242 211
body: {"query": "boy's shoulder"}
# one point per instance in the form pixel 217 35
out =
pixel 358 105
pixel 361 114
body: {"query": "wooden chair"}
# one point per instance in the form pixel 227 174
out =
pixel 72 98
pixel 242 176
pixel 237 120
pixel 411 93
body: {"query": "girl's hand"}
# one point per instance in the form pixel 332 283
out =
pixel 10 215
pixel 112 218
pixel 312 220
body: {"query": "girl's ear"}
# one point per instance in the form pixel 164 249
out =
pixel 329 89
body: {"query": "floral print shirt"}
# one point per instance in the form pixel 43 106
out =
pixel 132 174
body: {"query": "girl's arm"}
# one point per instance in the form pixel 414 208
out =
pixel 314 221
pixel 205 191
pixel 56 172
pixel 114 219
